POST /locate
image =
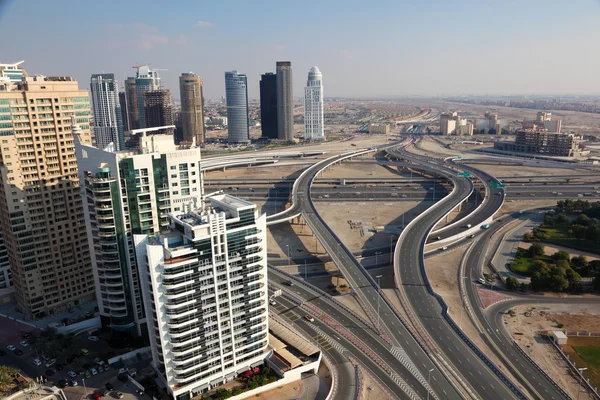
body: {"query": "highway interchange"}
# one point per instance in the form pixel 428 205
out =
pixel 467 372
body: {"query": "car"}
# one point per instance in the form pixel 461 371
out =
pixel 309 318
pixel 444 248
pixel 122 370
pixel 87 375
pixel 438 238
pixel 72 374
pixel 93 338
pixel 19 352
pixel 94 371
pixel 289 283
pixel 100 368
pixel 72 383
pixel 132 372
pixel 84 352
pixel 24 343
pixel 50 363
pixel 481 280
pixel 37 362
pixel 471 236
pixel 50 372
pixel 11 347
pixel 117 395
pixel 96 396
pixel 59 367
pixel 109 386
pixel 62 383
pixel 272 302
pixel 98 361
pixel 122 378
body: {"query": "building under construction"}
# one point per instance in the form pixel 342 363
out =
pixel 540 141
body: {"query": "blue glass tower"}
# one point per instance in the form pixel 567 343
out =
pixel 236 92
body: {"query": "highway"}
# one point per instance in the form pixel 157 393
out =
pixel 517 363
pixel 429 309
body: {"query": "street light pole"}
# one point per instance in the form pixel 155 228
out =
pixel 288 254
pixel 581 381
pixel 428 379
pixel 378 296
pixel 84 388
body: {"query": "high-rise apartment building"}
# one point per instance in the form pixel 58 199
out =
pixel 146 80
pixel 11 73
pixel 268 105
pixel 205 291
pixel 314 122
pixel 133 115
pixel 158 110
pixel 6 286
pixel 192 107
pixel 285 101
pixel 131 193
pixel 124 112
pixel 106 109
pixel 40 204
pixel 236 92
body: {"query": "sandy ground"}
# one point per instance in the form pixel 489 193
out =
pixel 376 214
pixel 273 171
pixel 353 169
pixel 430 145
pixel 526 331
pixel 550 249
pixel 513 206
pixel 521 170
pixel 371 390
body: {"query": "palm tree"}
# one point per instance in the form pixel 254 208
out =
pixel 7 377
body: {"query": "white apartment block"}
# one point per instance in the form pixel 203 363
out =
pixel 314 123
pixel 205 292
pixel 128 193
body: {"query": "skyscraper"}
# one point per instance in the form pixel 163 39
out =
pixel 205 289
pixel 108 123
pixel 313 106
pixel 127 194
pixel 192 107
pixel 146 80
pixel 133 114
pixel 124 112
pixel 285 101
pixel 268 105
pixel 158 110
pixel 40 202
pixel 236 92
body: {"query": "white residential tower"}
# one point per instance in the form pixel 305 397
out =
pixel 314 126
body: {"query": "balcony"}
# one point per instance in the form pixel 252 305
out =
pixel 176 296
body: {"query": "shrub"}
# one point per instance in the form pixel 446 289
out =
pixel 535 250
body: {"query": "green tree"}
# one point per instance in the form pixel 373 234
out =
pixel 548 220
pixel 561 255
pixel 583 220
pixel 236 391
pixel 539 266
pixel 539 281
pixel 596 282
pixel 7 377
pixel 527 237
pixel 579 232
pixel 511 283
pixel 557 280
pixel 535 250
pixel 562 219
pixel 574 280
pixel 594 267
pixel 580 264
pixel 593 233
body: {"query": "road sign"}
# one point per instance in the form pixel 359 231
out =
pixel 277 293
pixel 466 174
pixel 497 185
pixel 457 158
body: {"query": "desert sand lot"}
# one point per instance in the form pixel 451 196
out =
pixel 522 170
pixel 526 331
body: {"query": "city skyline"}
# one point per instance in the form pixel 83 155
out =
pixel 430 60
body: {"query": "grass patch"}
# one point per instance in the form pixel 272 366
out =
pixel 585 351
pixel 522 262
pixel 559 235
pixel 589 354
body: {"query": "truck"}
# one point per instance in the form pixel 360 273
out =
pixel 485 226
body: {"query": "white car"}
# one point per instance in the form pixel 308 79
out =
pixel 72 374
pixel 24 343
pixel 122 371
pixel 272 302
pixel 93 338
pixel 11 347
pixel 93 371
pixel 37 362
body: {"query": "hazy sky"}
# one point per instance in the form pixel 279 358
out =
pixel 364 48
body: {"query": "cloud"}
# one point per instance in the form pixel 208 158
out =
pixel 140 36
pixel 205 24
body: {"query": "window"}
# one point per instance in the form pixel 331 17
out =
pixel 173 166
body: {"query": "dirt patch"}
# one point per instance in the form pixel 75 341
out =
pixel 510 207
pixel 370 388
pixel 522 170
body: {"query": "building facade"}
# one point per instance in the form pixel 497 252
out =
pixel 192 108
pixel 126 194
pixel 124 112
pixel 146 80
pixel 44 226
pixel 285 101
pixel 106 109
pixel 540 141
pixel 205 289
pixel 158 110
pixel 133 116
pixel 236 92
pixel 379 129
pixel 268 105
pixel 314 122
pixel 11 73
